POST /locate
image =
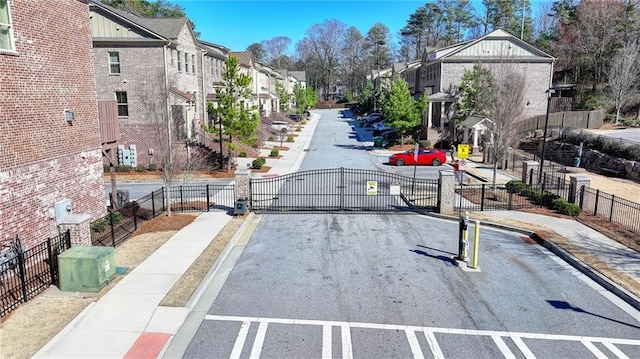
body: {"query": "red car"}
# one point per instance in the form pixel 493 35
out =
pixel 426 156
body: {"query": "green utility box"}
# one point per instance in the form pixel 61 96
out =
pixel 377 142
pixel 86 268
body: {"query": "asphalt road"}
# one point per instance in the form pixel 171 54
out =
pixel 383 286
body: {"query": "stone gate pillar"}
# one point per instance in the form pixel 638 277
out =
pixel 446 192
pixel 242 179
pixel 577 181
pixel 527 166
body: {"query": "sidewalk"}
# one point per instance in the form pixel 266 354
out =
pixel 127 322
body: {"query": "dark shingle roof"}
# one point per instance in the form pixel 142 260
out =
pixel 167 27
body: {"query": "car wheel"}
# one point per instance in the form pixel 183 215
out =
pixel 400 162
pixel 436 162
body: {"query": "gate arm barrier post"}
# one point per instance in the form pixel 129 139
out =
pixel 476 240
pixel 463 241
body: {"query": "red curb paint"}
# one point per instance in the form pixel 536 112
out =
pixel 148 345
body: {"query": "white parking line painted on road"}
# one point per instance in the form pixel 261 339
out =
pixel 429 332
pixel 503 347
pixel 239 344
pixel 433 344
pixel 524 349
pixel 592 348
pixel 347 348
pixel 326 342
pixel 414 344
pixel 257 344
pixel 615 350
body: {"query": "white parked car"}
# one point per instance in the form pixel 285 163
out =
pixel 277 126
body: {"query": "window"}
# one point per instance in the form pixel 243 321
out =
pixel 193 64
pixel 6 35
pixel 179 57
pixel 114 62
pixel 123 106
pixel 186 62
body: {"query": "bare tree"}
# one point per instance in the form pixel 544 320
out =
pixel 505 109
pixel 326 42
pixel 275 49
pixel 624 76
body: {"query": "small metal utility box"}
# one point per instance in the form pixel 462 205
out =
pixel 86 268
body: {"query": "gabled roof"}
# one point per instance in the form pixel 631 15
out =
pixel 301 76
pixel 126 17
pixel 245 57
pixel 165 28
pixel 476 122
pixel 469 49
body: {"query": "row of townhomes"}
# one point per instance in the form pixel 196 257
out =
pixel 71 104
pixel 104 92
pixel 440 70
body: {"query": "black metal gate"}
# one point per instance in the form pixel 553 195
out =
pixel 343 190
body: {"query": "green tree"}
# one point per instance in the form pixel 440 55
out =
pixel 401 111
pixel 366 97
pixel 258 51
pixel 473 95
pixel 239 120
pixel 160 8
pixel 305 97
pixel 285 97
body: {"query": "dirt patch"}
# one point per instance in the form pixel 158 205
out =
pixel 35 323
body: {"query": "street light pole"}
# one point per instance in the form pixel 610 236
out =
pixel 220 134
pixel 549 93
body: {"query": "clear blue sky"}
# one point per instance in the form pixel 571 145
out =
pixel 237 24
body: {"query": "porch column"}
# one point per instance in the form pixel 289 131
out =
pixel 442 117
pixel 475 138
pixel 429 116
pixel 465 135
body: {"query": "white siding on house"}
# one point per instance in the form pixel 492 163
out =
pixel 495 48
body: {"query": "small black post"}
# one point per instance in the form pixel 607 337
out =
pixel 135 215
pixel 153 205
pixel 595 209
pixel 51 259
pixel 208 202
pixel 113 235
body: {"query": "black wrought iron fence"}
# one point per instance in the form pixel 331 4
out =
pixel 117 226
pixel 614 209
pixel 485 197
pixel 202 198
pixel 26 273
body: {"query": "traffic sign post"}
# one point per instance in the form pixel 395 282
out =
pixel 463 151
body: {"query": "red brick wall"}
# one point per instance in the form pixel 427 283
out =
pixel 43 159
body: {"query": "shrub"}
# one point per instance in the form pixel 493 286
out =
pixel 425 143
pixel 290 138
pixel 152 167
pixel 274 153
pixel 258 163
pixel 303 122
pixel 564 207
pixel 115 216
pixel 270 138
pixel 99 225
pixel 242 154
pixel 105 168
pixel 515 186
pixel 141 168
pixel 123 168
pixel 298 128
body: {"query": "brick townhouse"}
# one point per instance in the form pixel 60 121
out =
pixel 152 67
pixel 49 131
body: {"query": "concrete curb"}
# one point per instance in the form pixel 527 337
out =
pixel 585 269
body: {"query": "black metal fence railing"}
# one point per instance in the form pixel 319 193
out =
pixel 117 226
pixel 25 274
pixel 203 198
pixel 484 197
pixel 614 209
